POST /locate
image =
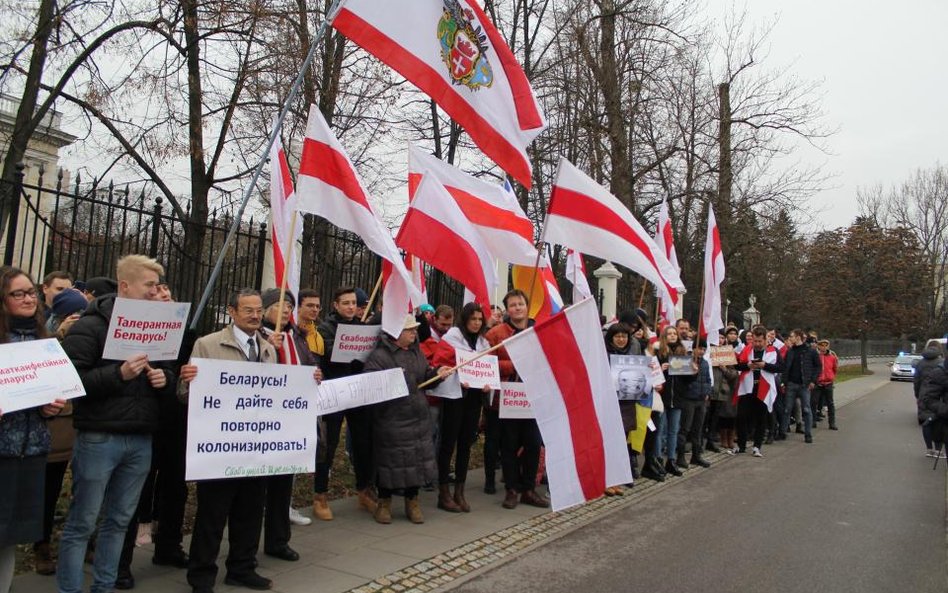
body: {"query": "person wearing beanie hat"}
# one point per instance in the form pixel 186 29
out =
pixel 164 290
pixel 291 348
pixel 68 305
pixel 362 301
pixel 98 286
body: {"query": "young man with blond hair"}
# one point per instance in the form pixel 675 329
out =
pixel 114 424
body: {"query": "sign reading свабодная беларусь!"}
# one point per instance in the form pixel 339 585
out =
pixel 354 342
pixel 254 419
pixel 153 328
pixel 35 373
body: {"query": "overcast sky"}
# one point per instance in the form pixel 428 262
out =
pixel 884 67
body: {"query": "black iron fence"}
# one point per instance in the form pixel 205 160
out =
pixel 86 230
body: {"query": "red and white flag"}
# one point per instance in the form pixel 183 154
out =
pixel 452 52
pixel 493 210
pixel 576 274
pixel 328 186
pixel 282 208
pixel 435 230
pixel 583 215
pixel 766 387
pixel 665 239
pixel 566 374
pixel 416 268
pixel 710 321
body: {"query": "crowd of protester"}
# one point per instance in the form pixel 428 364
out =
pixel 124 441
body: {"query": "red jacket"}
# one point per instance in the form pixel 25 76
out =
pixel 830 364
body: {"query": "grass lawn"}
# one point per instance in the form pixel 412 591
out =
pixel 850 371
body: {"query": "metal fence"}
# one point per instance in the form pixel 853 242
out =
pixel 86 230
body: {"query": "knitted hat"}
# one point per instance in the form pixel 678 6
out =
pixel 101 285
pixel 272 295
pixel 68 302
pixel 362 299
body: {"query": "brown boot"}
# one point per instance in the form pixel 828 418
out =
pixel 43 559
pixel 511 500
pixel 383 511
pixel 459 497
pixel 533 499
pixel 321 508
pixel 367 500
pixel 445 502
pixel 413 511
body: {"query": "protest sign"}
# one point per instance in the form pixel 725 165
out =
pixel 483 371
pixel 449 388
pixel 681 365
pixel 514 404
pixel 631 375
pixel 250 419
pixel 35 373
pixel 722 356
pixel 154 328
pixel 360 390
pixel 657 377
pixel 355 342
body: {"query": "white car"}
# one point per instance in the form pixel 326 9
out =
pixel 903 367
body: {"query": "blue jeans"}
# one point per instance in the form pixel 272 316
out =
pixel 795 391
pixel 668 432
pixel 108 471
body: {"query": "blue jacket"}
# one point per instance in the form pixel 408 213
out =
pixel 23 433
pixel 701 387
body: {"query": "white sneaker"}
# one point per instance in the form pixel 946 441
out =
pixel 930 453
pixel 756 452
pixel 297 519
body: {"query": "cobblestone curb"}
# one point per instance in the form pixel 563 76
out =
pixel 502 546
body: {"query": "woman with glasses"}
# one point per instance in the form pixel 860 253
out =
pixel 24 437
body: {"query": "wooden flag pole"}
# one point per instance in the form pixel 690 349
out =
pixel 375 292
pixel 642 296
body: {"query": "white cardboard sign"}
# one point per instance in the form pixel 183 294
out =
pixel 354 342
pixel 154 328
pixel 35 373
pixel 360 390
pixel 514 404
pixel 250 419
pixel 483 371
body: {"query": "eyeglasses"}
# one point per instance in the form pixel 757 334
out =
pixel 19 295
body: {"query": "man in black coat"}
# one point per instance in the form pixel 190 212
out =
pixel 114 424
pixel 803 368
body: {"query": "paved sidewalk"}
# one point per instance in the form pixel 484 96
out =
pixel 353 553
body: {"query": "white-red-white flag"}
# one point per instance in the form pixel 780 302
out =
pixel 566 375
pixel 416 268
pixel 282 208
pixel 452 52
pixel 576 274
pixel 583 215
pixel 493 210
pixel 328 186
pixel 435 230
pixel 766 388
pixel 665 239
pixel 711 319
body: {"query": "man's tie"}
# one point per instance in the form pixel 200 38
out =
pixel 252 355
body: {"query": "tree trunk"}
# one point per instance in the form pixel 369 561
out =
pixel 25 124
pixel 620 175
pixel 191 273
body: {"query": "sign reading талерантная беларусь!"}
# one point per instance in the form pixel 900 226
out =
pixel 152 328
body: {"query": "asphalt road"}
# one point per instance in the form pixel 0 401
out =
pixel 860 510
